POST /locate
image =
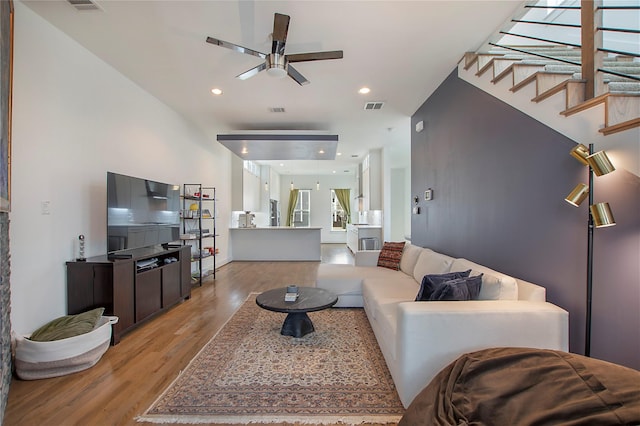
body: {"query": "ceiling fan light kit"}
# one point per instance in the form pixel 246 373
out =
pixel 276 63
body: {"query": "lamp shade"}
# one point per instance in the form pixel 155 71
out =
pixel 580 153
pixel 577 196
pixel 602 215
pixel 600 163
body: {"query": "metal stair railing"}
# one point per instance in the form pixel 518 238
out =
pixel 594 71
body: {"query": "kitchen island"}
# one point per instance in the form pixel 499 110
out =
pixel 356 233
pixel 275 243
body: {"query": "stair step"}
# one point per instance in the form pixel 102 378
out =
pixel 563 67
pixel 621 108
pixel 623 86
pixel 620 127
pixel 523 71
pixel 544 80
pixel 574 92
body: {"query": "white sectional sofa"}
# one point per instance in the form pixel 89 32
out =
pixel 418 339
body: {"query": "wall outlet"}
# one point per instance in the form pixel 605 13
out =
pixel 428 194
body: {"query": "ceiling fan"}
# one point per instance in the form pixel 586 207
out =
pixel 277 63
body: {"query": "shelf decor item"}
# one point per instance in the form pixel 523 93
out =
pixel 81 257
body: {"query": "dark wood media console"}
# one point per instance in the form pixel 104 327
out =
pixel 126 288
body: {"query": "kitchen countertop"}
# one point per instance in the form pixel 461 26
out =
pixel 275 228
pixel 275 243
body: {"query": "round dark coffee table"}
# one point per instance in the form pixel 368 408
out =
pixel 310 299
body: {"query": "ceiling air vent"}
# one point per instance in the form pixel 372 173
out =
pixel 83 4
pixel 373 105
pixel 276 109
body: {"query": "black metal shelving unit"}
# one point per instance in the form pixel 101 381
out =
pixel 199 226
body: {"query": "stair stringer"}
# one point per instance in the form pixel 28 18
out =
pixel 623 147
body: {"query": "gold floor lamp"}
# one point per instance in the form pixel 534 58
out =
pixel 599 215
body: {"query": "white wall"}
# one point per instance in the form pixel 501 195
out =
pixel 320 201
pixel 74 119
pixel 399 200
pixel 396 188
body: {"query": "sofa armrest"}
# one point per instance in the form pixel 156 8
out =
pixel 430 335
pixel 366 257
pixel 531 292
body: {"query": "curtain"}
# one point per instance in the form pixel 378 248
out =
pixel 293 200
pixel 344 196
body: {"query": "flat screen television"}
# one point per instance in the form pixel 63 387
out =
pixel 141 212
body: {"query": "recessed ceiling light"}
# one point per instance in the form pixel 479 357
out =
pixel 216 91
pixel 333 171
pixel 244 150
pixel 338 153
pixel 281 164
pixel 364 90
pixel 321 151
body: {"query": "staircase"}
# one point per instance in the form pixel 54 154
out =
pixel 536 61
pixel 621 97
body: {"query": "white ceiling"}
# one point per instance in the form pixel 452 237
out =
pixel 402 50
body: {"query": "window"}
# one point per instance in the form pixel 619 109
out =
pixel 302 212
pixel 251 167
pixel 338 217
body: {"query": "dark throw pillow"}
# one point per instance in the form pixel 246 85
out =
pixel 459 289
pixel 432 282
pixel 67 326
pixel 390 255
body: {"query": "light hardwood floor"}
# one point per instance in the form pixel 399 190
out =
pixel 133 373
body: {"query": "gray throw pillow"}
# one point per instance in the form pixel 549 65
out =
pixel 458 289
pixel 431 282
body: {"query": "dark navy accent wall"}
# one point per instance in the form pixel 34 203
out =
pixel 499 179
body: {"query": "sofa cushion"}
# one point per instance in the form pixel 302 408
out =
pixel 495 286
pixel 347 279
pixel 458 289
pixel 432 282
pixel 431 262
pixel 409 258
pixel 377 291
pixel 390 255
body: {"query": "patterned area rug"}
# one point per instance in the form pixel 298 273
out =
pixel 250 373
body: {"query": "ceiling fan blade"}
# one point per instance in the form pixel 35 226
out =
pixel 236 47
pixel 280 30
pixel 294 74
pixel 253 71
pixel 314 56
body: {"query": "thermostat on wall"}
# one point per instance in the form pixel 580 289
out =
pixel 419 126
pixel 428 194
